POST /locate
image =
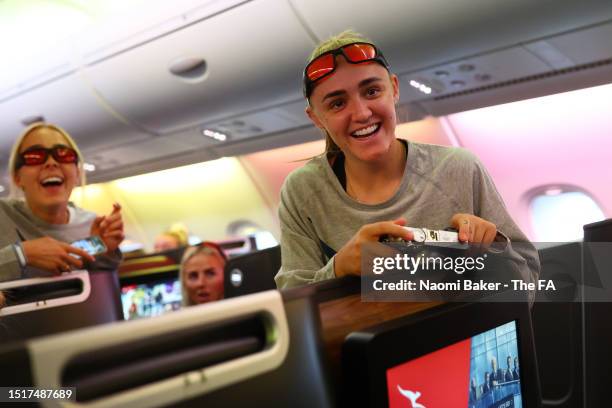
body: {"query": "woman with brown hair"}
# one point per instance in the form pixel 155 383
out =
pixel 369 183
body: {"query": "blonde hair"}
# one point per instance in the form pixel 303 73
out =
pixel 14 191
pixel 187 255
pixel 334 42
pixel 180 232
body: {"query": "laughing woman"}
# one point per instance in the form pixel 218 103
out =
pixel 368 183
pixel 45 165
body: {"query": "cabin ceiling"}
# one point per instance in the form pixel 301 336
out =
pixel 109 83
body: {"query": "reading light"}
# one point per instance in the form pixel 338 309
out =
pixel 222 137
pixel 421 87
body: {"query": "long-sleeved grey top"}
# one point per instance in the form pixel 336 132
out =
pixel 318 217
pixel 18 223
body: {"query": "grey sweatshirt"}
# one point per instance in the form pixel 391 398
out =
pixel 17 223
pixel 318 217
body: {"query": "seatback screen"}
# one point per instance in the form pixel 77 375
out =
pixel 150 299
pixel 479 372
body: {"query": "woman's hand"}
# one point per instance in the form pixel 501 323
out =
pixel 109 228
pixel 474 229
pixel 52 255
pixel 348 259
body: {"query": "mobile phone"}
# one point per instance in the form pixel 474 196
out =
pixel 92 245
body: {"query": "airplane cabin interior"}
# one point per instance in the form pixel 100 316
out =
pixel 189 116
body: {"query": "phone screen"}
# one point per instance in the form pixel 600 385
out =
pixel 92 245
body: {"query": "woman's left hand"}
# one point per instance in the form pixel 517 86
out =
pixel 474 229
pixel 109 228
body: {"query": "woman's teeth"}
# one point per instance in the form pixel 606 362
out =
pixel 366 131
pixel 52 181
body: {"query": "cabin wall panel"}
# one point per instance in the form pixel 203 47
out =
pixel 557 139
pixel 206 197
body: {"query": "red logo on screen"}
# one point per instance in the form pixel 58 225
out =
pixel 435 380
pixel 412 396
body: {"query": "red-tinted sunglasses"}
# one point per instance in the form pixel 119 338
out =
pixel 325 64
pixel 37 155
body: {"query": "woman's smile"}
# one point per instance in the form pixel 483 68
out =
pixel 366 132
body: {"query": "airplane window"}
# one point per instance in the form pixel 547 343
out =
pixel 558 215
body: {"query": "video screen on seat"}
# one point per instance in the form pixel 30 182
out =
pixel 479 372
pixel 150 299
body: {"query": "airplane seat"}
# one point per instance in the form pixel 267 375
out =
pixel 42 306
pixel 252 272
pixel 262 348
pixel 408 358
pixel 557 326
pixel 597 263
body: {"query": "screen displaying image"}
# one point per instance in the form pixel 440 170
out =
pixel 479 372
pixel 91 245
pixel 150 299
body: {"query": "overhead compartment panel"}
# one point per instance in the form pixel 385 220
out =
pixel 68 103
pixel 419 34
pixel 254 54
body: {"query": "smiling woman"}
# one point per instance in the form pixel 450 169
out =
pixel 39 222
pixel 369 183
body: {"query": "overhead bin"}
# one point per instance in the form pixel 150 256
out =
pixel 67 102
pixel 253 55
pixel 461 47
pixel 419 34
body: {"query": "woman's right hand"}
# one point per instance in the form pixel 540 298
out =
pixel 348 258
pixel 52 255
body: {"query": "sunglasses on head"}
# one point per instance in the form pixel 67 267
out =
pixel 325 64
pixel 37 155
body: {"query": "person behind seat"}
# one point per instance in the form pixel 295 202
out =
pixel 201 274
pixel 368 183
pixel 174 237
pixel 44 166
pixel 165 241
